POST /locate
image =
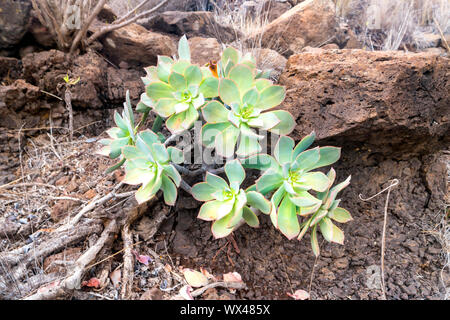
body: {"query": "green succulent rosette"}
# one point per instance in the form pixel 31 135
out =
pixel 290 176
pixel 248 102
pixel 122 135
pixel 328 212
pixel 149 164
pixel 228 204
pixel 177 89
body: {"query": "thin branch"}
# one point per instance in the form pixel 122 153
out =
pixel 81 34
pixel 113 27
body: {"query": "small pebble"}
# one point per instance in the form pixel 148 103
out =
pixel 23 221
pixel 163 285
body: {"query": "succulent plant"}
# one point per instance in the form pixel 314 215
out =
pixel 148 163
pixel 177 89
pixel 227 204
pixel 329 210
pixel 289 174
pixel 247 101
pixel 122 135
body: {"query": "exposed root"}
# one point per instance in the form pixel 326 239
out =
pixel 73 281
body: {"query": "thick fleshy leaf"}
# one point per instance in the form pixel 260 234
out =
pixel 169 190
pixel 177 81
pixel 306 160
pixel 305 211
pixel 164 67
pixel 211 130
pixel 171 172
pixel 326 228
pixel 146 192
pixel 304 199
pixel 120 122
pixel 202 191
pixel 304 144
pixel 287 219
pixel 159 90
pixel 286 125
pixel 250 217
pixel 304 228
pixel 268 120
pixel 229 91
pixel 269 181
pixel 216 182
pixel 190 117
pixel 241 200
pixel 225 141
pixel 275 201
pixel 115 133
pixel 131 152
pixel 116 147
pixel 317 217
pixel 165 107
pixel 183 49
pixel 175 122
pixel 180 66
pixel 215 112
pixel 338 235
pixel 194 278
pixel 234 171
pixel 160 153
pixel 261 84
pixel 271 97
pixel 283 150
pixel 230 54
pixel 248 145
pixel 193 75
pixel 215 210
pixel 335 190
pixel 176 155
pixel 257 201
pixel 315 180
pixel 340 215
pixel 261 162
pixel 220 227
pixel 242 76
pixel 315 242
pixel 328 155
pixel 210 87
pixel 181 107
pixel 250 97
pixel 138 176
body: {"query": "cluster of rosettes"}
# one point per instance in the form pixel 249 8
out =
pixel 234 100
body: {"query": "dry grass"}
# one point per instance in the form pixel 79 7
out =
pixel 401 22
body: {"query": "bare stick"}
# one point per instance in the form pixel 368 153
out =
pixel 394 182
pixel 74 280
pixel 68 100
pixel 81 34
pixel 113 27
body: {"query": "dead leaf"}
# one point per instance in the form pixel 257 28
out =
pixel 207 274
pixel 194 278
pixel 232 277
pixel 91 283
pixel 116 277
pixel 185 292
pixel 299 295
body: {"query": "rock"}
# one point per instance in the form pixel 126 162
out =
pixel 14 20
pixel 391 101
pixel 330 46
pixel 310 23
pixel 191 24
pixel 268 59
pixel 203 50
pixel 10 69
pixel 137 46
